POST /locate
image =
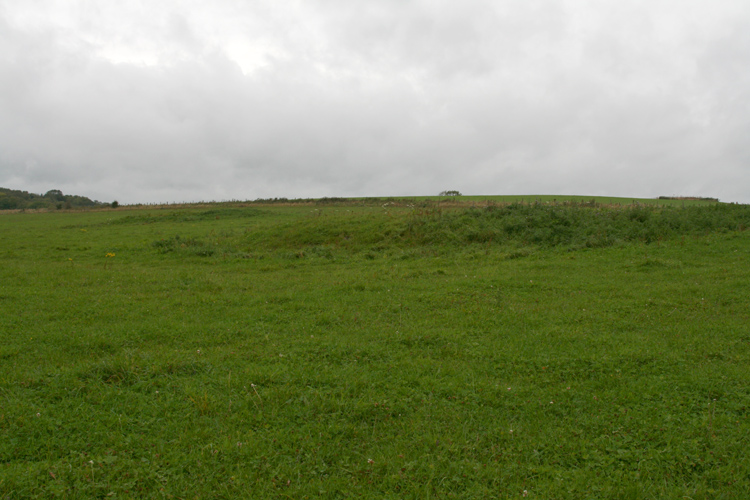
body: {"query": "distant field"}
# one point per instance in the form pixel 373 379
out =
pixel 527 199
pixel 422 201
pixel 602 200
pixel 376 351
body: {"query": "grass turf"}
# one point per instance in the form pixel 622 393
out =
pixel 292 352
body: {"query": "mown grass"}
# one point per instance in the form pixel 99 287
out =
pixel 375 352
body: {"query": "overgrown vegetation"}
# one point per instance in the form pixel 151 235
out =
pixel 376 351
pixel 574 225
pixel 535 226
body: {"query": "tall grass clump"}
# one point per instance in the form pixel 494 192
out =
pixel 572 226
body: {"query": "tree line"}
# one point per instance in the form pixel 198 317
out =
pixel 54 199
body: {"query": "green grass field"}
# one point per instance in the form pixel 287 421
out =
pixel 373 351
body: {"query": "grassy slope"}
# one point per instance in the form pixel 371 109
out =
pixel 288 352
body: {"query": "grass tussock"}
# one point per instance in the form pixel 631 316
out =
pixel 517 227
pixel 571 226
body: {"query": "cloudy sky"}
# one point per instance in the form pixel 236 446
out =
pixel 166 100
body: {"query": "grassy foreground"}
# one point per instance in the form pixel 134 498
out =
pixel 376 352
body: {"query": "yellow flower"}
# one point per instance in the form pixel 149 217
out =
pixel 110 254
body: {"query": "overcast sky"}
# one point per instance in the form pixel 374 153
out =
pixel 161 100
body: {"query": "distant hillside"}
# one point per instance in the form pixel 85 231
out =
pixel 53 199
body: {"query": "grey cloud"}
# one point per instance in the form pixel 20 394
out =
pixel 379 98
